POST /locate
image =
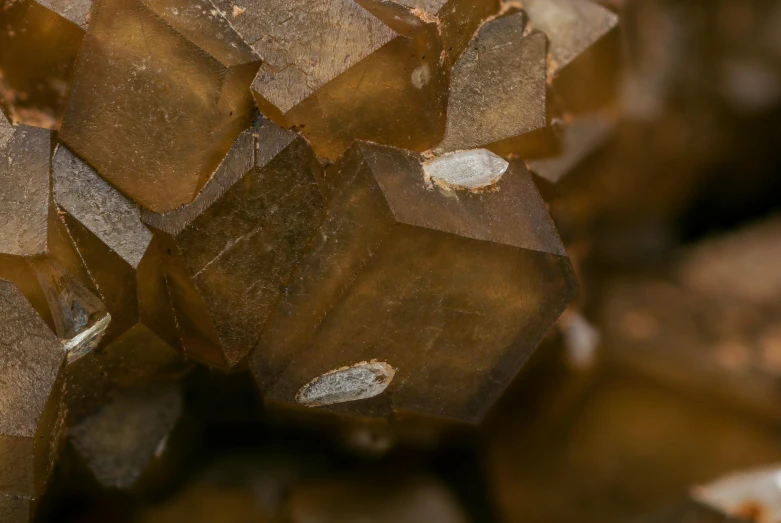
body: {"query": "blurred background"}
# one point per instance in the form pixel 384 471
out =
pixel 663 378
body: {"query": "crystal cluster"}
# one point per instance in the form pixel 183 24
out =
pixel 328 193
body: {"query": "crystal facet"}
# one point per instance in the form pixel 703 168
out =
pixel 497 91
pixel 166 83
pixel 230 253
pixel 453 289
pixel 30 396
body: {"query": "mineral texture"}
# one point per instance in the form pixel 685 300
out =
pixel 451 288
pixel 160 92
pixel 230 253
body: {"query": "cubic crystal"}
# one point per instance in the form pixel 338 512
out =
pixel 230 253
pixel 452 289
pixel 165 82
pixel 497 90
pixel 30 396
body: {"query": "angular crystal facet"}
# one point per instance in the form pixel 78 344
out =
pixel 38 49
pixel 580 139
pixel 24 189
pixel 166 83
pixel 335 72
pixel 451 288
pixel 91 200
pixel 229 254
pixel 124 438
pixel 77 11
pixel 30 395
pixel 571 25
pixel 497 90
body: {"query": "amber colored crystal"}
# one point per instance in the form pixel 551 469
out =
pixel 123 440
pixel 16 509
pixel 337 73
pixel 38 49
pixel 580 138
pixel 165 82
pixel 229 254
pixel 30 396
pixel 24 189
pixel 77 11
pixel 452 289
pixel 497 90
pixel 456 20
pixel 571 25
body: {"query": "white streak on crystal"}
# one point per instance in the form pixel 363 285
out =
pixel 356 382
pixel 475 169
pixel 85 342
pixel 757 488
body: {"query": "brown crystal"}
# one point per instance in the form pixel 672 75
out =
pixel 38 49
pixel 24 189
pixel 572 27
pixel 497 90
pixel 337 73
pixel 15 509
pixel 124 438
pixel 30 395
pixel 166 83
pixel 229 255
pixel 452 289
pixel 77 11
pixel 581 137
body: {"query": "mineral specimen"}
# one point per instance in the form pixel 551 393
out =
pixel 337 73
pixel 453 289
pixel 30 396
pixel 24 189
pixel 497 91
pixel 39 44
pixel 124 439
pixel 15 509
pixel 581 137
pixel 229 253
pixel 165 82
pixel 571 25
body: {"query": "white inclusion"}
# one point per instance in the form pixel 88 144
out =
pixel 758 488
pixel 475 169
pixel 356 382
pixel 85 341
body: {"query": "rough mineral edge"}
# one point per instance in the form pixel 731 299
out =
pixel 85 342
pixel 474 170
pixel 101 208
pixel 355 382
pixel 745 493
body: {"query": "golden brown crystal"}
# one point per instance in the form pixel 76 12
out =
pixel 497 90
pixel 452 289
pixel 165 82
pixel 24 189
pixel 38 49
pixel 15 509
pixel 230 254
pixel 125 438
pixel 30 396
pixel 337 73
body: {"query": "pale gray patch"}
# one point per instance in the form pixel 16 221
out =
pixel 356 382
pixel 474 169
pixel 758 488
